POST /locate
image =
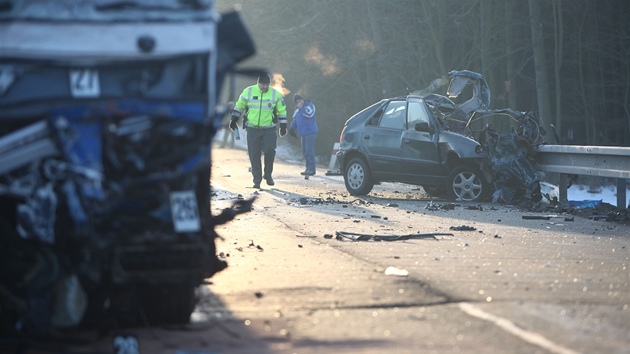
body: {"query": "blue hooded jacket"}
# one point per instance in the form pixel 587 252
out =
pixel 304 119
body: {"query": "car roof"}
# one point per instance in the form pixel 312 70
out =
pixel 367 111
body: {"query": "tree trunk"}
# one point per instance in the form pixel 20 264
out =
pixel 542 84
pixel 510 65
pixel 381 52
pixel 558 25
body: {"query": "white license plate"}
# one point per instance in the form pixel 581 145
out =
pixel 185 212
pixel 84 83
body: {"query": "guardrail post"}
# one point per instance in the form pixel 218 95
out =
pixel 622 202
pixel 562 188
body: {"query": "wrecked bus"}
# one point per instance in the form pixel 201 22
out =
pixel 107 111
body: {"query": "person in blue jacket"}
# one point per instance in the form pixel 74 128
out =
pixel 305 121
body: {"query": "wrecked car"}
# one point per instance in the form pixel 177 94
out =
pixel 107 115
pixel 400 140
pixel 426 139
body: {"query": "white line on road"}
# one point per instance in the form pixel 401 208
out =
pixel 510 327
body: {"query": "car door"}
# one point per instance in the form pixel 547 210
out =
pixel 420 158
pixel 382 139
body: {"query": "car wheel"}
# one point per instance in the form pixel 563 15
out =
pixel 142 304
pixel 169 304
pixel 466 183
pixel 434 190
pixel 358 177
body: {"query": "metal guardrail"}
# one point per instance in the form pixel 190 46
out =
pixel 597 161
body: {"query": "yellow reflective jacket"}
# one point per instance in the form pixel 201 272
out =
pixel 262 109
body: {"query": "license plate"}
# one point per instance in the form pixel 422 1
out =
pixel 185 212
pixel 84 83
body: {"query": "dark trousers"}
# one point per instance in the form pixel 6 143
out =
pixel 261 141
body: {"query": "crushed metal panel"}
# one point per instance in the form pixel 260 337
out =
pixel 510 155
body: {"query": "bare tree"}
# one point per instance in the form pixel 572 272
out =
pixel 542 85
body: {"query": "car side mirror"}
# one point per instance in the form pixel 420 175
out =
pixel 424 127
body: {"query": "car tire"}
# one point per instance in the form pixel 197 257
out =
pixel 169 304
pixel 357 177
pixel 467 183
pixel 434 190
pixel 153 304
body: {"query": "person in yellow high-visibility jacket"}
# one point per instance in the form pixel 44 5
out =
pixel 263 108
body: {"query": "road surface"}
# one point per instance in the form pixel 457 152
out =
pixel 488 281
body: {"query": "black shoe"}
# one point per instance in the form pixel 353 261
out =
pixel 257 185
pixel 269 181
pixel 309 173
pixel 303 173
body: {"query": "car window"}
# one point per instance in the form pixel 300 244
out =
pixel 375 118
pixel 394 115
pixel 417 114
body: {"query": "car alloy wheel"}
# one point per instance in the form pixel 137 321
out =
pixel 466 183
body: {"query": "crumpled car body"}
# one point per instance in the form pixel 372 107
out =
pixel 401 140
pixel 107 114
pixel 442 153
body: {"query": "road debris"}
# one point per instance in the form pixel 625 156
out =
pixel 547 217
pixel 353 236
pixel 436 206
pixel 396 271
pixel 252 244
pixel 462 228
pixel 316 201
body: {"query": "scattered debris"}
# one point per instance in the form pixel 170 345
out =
pixel 462 228
pixel 435 206
pixel 396 271
pixel 252 244
pixel 583 204
pixel 546 217
pixel 601 211
pixel 328 236
pixel 259 295
pixel 317 201
pixel 353 236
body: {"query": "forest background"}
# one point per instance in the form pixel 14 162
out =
pixel 567 60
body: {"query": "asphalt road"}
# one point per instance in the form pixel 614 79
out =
pixel 497 284
pixel 489 281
